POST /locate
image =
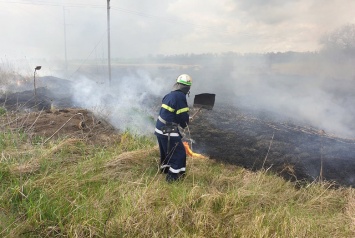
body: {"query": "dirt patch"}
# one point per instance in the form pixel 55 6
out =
pixel 69 123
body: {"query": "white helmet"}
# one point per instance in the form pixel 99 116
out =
pixel 184 79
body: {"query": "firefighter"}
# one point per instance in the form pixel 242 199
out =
pixel 173 113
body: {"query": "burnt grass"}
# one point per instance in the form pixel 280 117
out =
pixel 246 138
pixel 256 141
pixel 51 90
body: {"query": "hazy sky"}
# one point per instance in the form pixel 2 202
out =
pixel 35 28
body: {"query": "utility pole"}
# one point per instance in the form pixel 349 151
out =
pixel 65 42
pixel 108 41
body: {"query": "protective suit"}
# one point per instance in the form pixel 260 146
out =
pixel 173 113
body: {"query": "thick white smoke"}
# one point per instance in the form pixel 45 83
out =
pixel 127 102
pixel 318 100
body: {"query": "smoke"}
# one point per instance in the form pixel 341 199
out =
pixel 312 89
pixel 320 99
pixel 127 102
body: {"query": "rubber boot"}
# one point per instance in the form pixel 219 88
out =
pixel 171 177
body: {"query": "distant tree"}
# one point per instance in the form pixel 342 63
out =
pixel 341 39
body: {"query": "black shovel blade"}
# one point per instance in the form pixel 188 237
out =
pixel 204 100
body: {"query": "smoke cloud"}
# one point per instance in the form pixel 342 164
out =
pixel 127 103
pixel 311 89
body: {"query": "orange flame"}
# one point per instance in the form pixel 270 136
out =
pixel 190 153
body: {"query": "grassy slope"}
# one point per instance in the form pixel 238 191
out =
pixel 74 189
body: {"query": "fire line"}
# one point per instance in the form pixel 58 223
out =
pixel 190 153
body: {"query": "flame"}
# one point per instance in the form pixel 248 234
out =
pixel 190 153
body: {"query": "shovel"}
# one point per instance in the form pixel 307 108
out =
pixel 203 101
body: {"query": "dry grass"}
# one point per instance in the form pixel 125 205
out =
pixel 33 165
pixel 132 157
pixel 69 188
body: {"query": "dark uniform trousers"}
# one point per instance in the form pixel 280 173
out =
pixel 175 161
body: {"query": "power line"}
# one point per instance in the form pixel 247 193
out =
pixel 132 12
pixel 87 58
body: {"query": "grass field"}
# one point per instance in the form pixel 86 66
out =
pixel 70 188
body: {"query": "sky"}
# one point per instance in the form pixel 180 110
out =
pixel 41 28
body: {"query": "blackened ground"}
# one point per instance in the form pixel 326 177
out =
pixel 237 136
pixel 253 142
pixel 50 91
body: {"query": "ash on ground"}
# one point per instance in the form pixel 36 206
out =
pixel 297 153
pixel 232 135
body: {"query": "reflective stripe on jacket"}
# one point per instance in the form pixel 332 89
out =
pixel 174 109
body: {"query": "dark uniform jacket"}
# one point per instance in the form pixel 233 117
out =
pixel 174 109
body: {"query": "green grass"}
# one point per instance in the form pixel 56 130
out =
pixel 2 111
pixel 69 188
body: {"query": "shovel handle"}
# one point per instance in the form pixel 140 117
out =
pixel 195 113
